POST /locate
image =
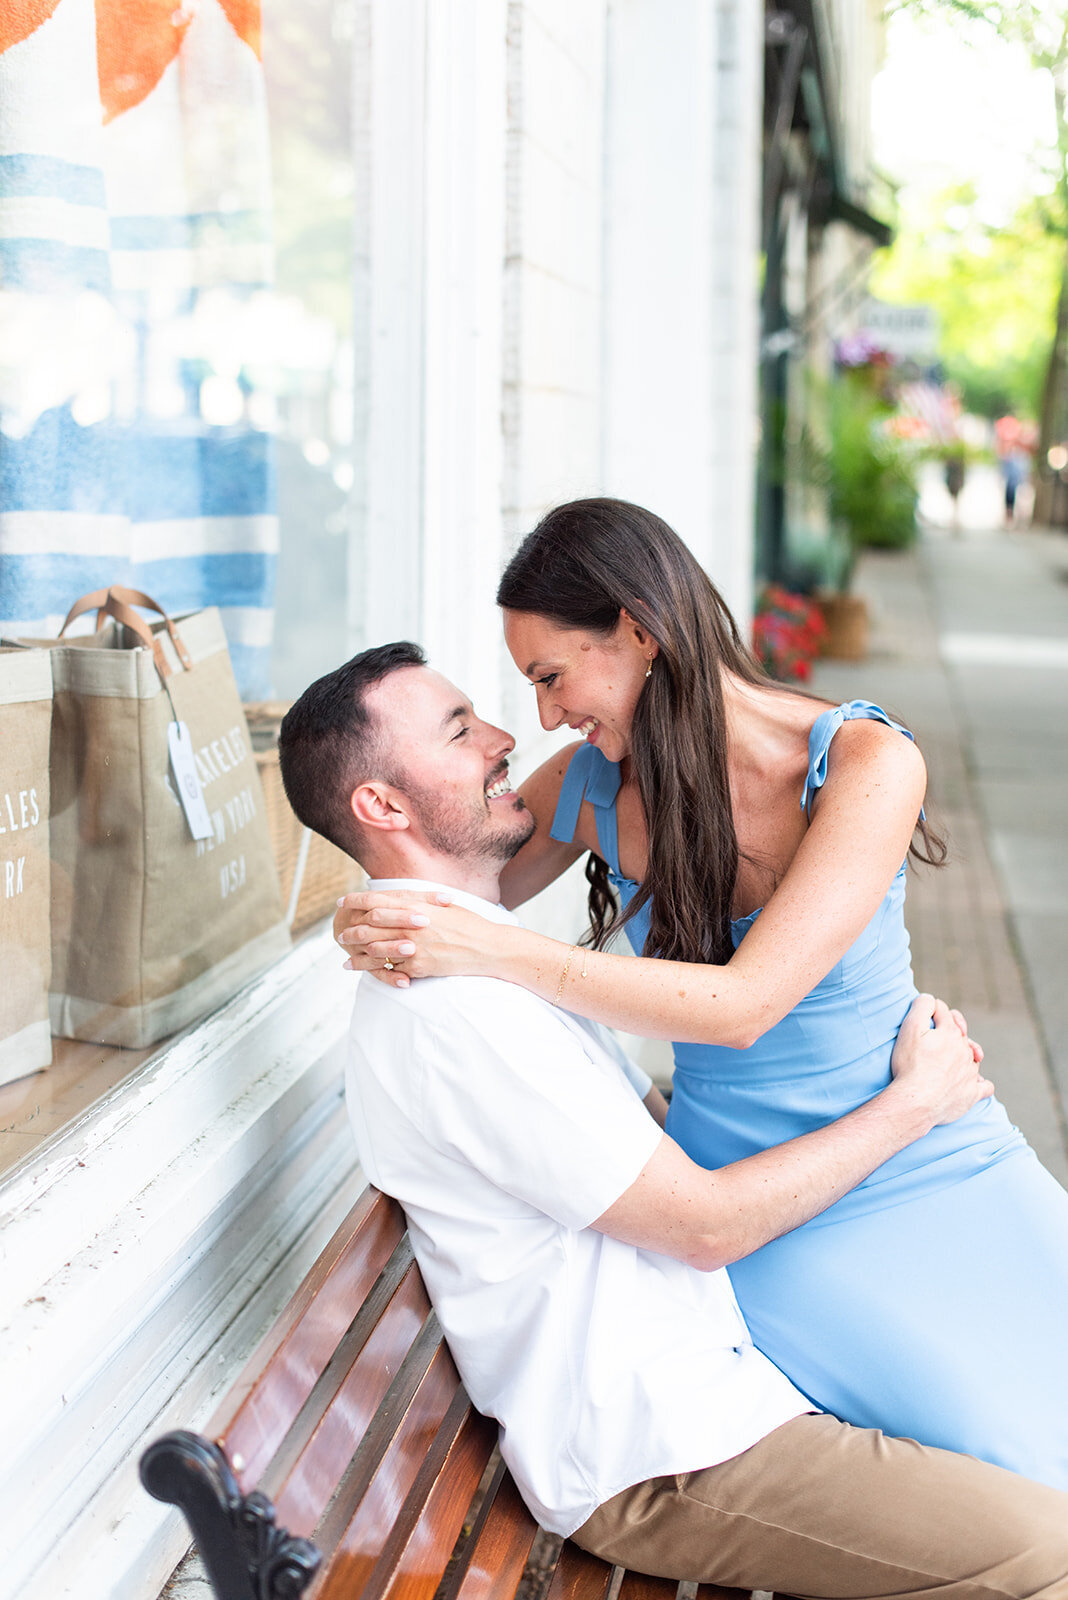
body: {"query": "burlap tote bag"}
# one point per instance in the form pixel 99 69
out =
pixel 151 927
pixel 25 941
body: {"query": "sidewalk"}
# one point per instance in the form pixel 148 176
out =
pixel 970 650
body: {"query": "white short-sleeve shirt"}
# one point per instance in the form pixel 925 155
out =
pixel 505 1127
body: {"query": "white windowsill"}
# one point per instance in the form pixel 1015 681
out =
pixel 144 1249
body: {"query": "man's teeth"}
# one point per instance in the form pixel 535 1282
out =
pixel 587 727
pixel 502 786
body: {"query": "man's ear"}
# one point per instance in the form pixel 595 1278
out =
pixel 379 807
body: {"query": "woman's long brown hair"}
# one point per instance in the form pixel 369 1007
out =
pixel 583 564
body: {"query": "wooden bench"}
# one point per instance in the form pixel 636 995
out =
pixel 348 1461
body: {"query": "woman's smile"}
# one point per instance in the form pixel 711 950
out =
pixel 603 672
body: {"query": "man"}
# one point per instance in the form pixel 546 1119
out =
pixel 574 1254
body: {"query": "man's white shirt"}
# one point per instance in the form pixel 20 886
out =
pixel 504 1127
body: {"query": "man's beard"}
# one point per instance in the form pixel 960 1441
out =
pixel 464 833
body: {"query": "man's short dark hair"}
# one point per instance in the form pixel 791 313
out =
pixel 329 743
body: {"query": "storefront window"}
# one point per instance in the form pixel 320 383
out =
pixel 308 64
pixel 176 416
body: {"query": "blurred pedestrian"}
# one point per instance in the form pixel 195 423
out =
pixel 953 468
pixel 954 476
pixel 1011 441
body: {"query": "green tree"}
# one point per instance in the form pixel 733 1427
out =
pixel 1041 28
pixel 994 291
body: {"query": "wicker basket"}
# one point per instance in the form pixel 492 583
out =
pixel 325 872
pixel 846 616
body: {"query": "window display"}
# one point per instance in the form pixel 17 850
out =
pixel 177 414
pixel 156 916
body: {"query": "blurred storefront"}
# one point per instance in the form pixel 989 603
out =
pixel 817 235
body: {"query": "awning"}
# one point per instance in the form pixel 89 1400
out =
pixel 842 210
pixel 807 85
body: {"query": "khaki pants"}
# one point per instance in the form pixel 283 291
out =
pixel 821 1509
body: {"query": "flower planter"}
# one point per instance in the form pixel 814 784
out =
pixel 846 616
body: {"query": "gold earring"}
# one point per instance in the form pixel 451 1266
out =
pixel 649 667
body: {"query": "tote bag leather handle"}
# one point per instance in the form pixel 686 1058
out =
pixel 117 602
pixel 134 597
pixel 97 601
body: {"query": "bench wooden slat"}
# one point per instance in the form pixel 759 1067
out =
pixel 639 1586
pixel 579 1576
pixel 377 1308
pixel 417 1549
pixel 384 1465
pixel 494 1556
pixel 716 1591
pixel 436 1404
pixel 302 1481
pixel 285 1367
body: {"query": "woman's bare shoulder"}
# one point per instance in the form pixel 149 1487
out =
pixel 866 749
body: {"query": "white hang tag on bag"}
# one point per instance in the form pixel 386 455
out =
pixel 187 781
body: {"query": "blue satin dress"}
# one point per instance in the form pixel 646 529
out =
pixel 931 1301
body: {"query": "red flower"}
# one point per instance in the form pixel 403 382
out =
pixel 787 630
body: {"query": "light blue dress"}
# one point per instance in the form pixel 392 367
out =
pixel 931 1301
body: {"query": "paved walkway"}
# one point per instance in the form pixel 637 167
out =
pixel 970 649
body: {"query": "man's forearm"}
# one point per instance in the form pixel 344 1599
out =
pixel 758 1199
pixel 710 1219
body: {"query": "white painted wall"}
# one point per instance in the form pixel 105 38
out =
pixel 552 389
pixel 658 260
pixel 735 287
pixel 682 187
pixel 551 359
pixel 854 30
pixel 465 193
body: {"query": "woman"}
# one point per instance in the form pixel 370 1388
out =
pixel 755 839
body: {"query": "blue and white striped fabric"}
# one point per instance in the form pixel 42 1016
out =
pixel 135 442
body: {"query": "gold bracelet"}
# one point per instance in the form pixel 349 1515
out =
pixel 563 975
pixel 567 966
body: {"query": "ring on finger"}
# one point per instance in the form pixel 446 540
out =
pixel 388 964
